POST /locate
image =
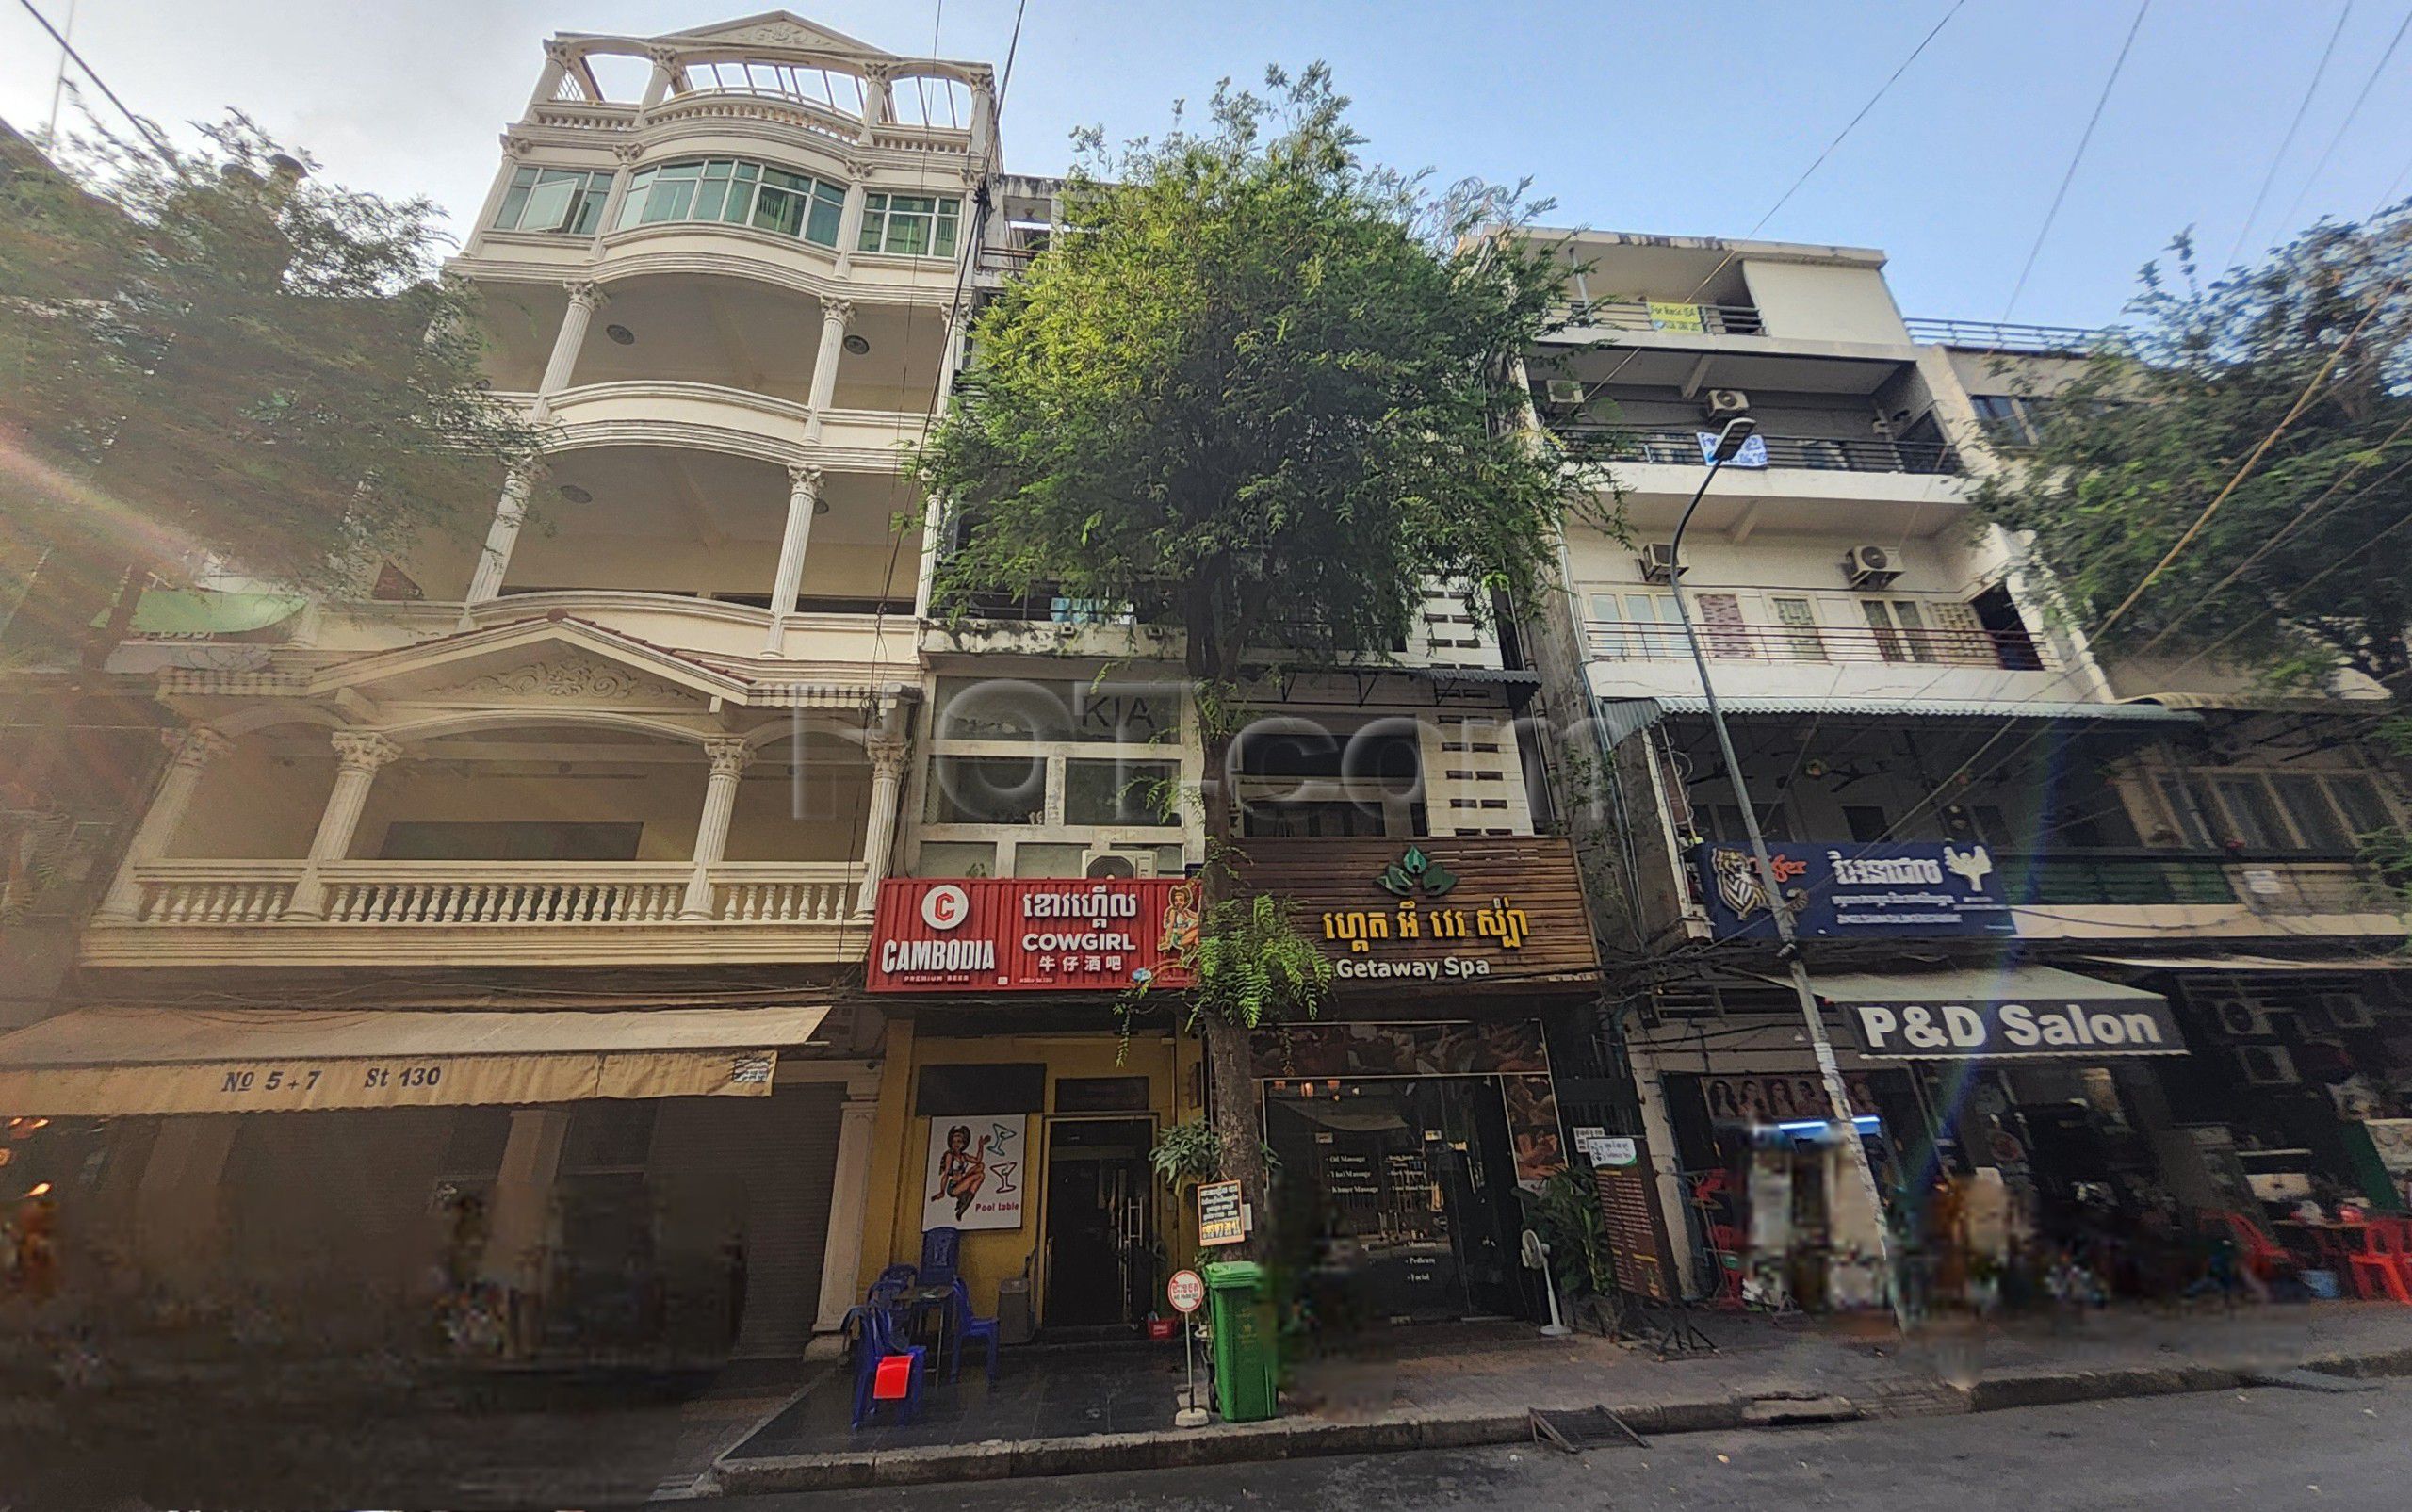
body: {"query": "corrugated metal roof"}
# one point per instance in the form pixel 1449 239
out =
pixel 1926 708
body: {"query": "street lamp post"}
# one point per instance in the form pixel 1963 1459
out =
pixel 1729 444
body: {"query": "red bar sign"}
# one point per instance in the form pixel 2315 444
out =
pixel 1030 934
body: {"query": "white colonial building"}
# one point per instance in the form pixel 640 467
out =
pixel 640 748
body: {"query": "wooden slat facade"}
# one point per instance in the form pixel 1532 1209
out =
pixel 1524 886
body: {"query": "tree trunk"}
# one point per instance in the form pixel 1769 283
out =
pixel 1230 1071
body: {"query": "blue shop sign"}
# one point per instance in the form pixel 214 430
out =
pixel 1846 891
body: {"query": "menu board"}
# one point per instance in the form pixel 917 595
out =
pixel 1633 1239
pixel 1219 1219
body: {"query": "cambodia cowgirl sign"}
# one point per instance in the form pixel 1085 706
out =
pixel 1028 935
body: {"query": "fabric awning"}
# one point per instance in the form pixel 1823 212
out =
pixel 2256 963
pixel 109 1061
pixel 201 612
pixel 1999 1013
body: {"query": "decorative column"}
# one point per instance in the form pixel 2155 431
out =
pixel 836 315
pixel 850 222
pixel 878 103
pixel 804 498
pixel 585 298
pixel 194 750
pixel 983 119
pixel 359 754
pixel 519 1215
pixel 841 1252
pixel 879 830
pixel 179 1228
pixel 665 73
pixel 729 757
pixel 510 513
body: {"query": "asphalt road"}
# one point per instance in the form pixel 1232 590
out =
pixel 2258 1448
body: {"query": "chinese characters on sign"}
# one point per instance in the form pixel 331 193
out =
pixel 1869 891
pixel 1012 935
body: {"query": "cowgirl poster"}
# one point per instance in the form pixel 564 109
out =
pixel 974 1178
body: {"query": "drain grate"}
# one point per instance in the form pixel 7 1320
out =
pixel 1583 1428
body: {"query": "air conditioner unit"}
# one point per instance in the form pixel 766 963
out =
pixel 1869 567
pixel 2347 1010
pixel 2267 1065
pixel 1563 394
pixel 2243 1020
pixel 1109 864
pixel 1725 403
pixel 1657 562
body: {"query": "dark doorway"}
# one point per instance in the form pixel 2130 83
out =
pixel 2012 641
pixel 1408 1186
pixel 1100 1222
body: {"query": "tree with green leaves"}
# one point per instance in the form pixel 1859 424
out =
pixel 2301 367
pixel 1263 392
pixel 210 361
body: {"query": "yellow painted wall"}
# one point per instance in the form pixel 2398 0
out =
pixel 892 1211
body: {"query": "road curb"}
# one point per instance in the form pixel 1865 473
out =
pixel 1302 1437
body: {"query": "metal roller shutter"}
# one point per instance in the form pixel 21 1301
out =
pixel 781 1153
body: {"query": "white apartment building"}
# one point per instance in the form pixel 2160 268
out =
pixel 602 803
pixel 1907 696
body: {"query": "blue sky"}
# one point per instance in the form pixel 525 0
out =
pixel 1687 119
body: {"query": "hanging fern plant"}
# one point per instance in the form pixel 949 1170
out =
pixel 1249 967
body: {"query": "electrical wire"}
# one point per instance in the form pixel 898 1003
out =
pixel 2346 124
pixel 2293 127
pixel 1815 163
pixel 2076 157
pixel 158 144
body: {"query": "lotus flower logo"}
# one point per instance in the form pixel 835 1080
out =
pixel 1415 874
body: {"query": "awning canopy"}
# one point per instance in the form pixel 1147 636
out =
pixel 201 612
pixel 1998 1013
pixel 1627 716
pixel 109 1061
pixel 2257 963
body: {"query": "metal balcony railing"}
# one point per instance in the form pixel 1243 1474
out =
pixel 1995 335
pixel 2291 884
pixel 1659 315
pixel 2008 650
pixel 997 259
pixel 1844 454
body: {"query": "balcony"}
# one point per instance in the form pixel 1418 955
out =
pixel 1680 448
pixel 2005 650
pixel 1674 317
pixel 2109 894
pixel 431 912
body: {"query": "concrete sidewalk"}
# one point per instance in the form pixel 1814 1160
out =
pixel 1450 1388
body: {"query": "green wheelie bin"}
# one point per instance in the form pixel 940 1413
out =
pixel 1245 1366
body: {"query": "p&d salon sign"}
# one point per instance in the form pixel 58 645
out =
pixel 1030 934
pixel 2015 1031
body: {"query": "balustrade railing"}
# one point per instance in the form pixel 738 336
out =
pixel 1681 447
pixel 1756 640
pixel 494 893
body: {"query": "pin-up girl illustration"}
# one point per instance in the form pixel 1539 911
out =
pixel 963 1169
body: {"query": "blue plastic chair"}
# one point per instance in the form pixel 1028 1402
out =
pixel 967 1328
pixel 896 1273
pixel 879 1342
pixel 939 1249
